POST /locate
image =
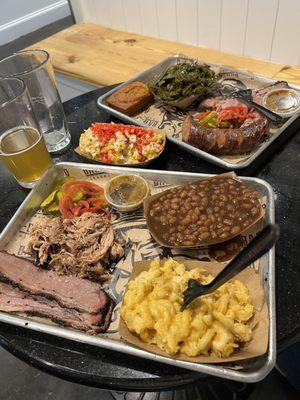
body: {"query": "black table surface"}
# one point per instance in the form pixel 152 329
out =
pixel 280 166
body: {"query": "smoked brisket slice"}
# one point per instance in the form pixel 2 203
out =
pixel 13 300
pixel 69 291
pixel 106 315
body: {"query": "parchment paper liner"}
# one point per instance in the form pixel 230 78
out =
pixel 259 323
pixel 149 200
pixel 133 229
pixel 183 104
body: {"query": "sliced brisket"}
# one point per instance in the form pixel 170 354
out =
pixel 68 291
pixel 106 316
pixel 13 300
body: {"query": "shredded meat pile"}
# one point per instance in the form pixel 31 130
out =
pixel 84 246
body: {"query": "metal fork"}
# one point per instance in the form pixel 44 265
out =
pixel 255 249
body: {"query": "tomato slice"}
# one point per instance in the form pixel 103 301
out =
pixel 81 207
pixel 94 201
pixel 84 186
pixel 80 197
pixel 66 186
pixel 66 207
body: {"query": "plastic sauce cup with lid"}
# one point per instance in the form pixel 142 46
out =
pixel 126 192
pixel 284 102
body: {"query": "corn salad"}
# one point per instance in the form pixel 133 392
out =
pixel 120 144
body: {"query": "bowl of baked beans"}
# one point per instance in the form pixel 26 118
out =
pixel 202 213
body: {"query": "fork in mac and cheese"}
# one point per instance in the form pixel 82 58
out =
pixel 216 323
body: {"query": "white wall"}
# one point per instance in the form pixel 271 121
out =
pixel 19 17
pixel 265 29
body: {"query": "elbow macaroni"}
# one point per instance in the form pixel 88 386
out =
pixel 213 324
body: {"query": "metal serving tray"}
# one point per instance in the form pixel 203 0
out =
pixel 254 370
pixel 148 74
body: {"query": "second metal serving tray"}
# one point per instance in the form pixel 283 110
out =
pixel 253 370
pixel 146 77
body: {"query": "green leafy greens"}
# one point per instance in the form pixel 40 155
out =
pixel 183 80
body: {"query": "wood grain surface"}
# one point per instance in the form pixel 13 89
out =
pixel 103 56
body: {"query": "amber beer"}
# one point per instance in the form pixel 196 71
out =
pixel 23 151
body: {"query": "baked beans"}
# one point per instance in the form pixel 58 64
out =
pixel 201 213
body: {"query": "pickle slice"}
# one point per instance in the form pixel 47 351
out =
pixel 53 208
pixel 49 200
pixel 77 196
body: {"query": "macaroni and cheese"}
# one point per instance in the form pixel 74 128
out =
pixel 216 323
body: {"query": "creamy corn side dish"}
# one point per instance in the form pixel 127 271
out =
pixel 120 144
pixel 216 323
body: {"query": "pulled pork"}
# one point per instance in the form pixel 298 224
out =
pixel 83 246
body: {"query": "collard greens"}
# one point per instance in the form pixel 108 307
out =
pixel 183 80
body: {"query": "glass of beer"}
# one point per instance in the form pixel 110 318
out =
pixel 35 69
pixel 22 147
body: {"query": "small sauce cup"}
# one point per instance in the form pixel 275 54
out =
pixel 126 192
pixel 284 102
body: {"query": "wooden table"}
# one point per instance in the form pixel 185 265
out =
pixel 102 56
